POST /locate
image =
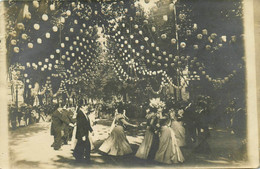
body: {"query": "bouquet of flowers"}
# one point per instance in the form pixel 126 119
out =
pixel 156 103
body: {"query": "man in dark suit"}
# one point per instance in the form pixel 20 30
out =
pixel 83 148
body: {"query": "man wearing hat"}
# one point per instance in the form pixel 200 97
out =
pixel 83 147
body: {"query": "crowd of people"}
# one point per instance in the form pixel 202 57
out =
pixel 168 129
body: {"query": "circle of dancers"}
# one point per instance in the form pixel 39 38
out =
pixel 164 136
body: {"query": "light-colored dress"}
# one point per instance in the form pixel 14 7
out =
pixel 168 151
pixel 117 144
pixel 179 131
pixel 145 147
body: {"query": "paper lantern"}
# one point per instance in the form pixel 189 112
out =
pixel 153 29
pixel 67 38
pixel 173 41
pixel 45 66
pixel 196 46
pixel 159 57
pixel 136 41
pixel 208 47
pixel 157 49
pixel 195 26
pixel 71 29
pixel 30 45
pixel 20 26
pixel 165 17
pixel 163 36
pixel 39 63
pixel 213 35
pixel 224 38
pixel 153 44
pixel 52 7
pixel 183 45
pixel 27 81
pixel 13 42
pixel 204 31
pixel 52 56
pixel 188 32
pixel 68 58
pixel 68 12
pixel 140 32
pixel 39 40
pixel 62 19
pixel 16 49
pixel 24 36
pixel 73 54
pixel 36 26
pixel 47 35
pixel 54 28
pixel 63 57
pixel 199 36
pixel 29 86
pixel 57 50
pixel 42 69
pixel 36 4
pixel 45 17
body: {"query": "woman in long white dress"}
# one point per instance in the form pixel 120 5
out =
pixel 149 145
pixel 117 144
pixel 178 128
pixel 168 152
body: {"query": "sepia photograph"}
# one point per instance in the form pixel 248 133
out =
pixel 129 84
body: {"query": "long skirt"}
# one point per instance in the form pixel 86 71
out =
pixel 179 131
pixel 73 138
pixel 145 147
pixel 116 144
pixel 168 151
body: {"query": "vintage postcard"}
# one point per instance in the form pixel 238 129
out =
pixel 129 83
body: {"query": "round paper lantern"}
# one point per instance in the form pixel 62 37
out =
pixel 199 36
pixel 63 57
pixel 224 38
pixel 46 60
pixel 71 29
pixel 188 32
pixel 157 49
pixel 146 22
pixel 146 38
pixel 62 19
pixel 159 57
pixel 36 4
pixel 173 41
pixel 47 35
pixel 54 28
pixel 136 41
pixel 45 66
pixel 172 64
pixel 30 45
pixel 42 69
pixel 52 56
pixel 153 29
pixel 62 45
pixel 39 40
pixel 52 7
pixel 204 31
pixel 140 32
pixel 159 64
pixel 73 54
pixel 163 36
pixel 213 35
pixel 16 49
pixel 165 17
pixel 57 61
pixel 75 22
pixel 196 46
pixel 67 38
pixel 39 63
pixel 208 47
pixel 68 12
pixel 57 50
pixel 29 86
pixel 20 26
pixel 45 17
pixel 27 81
pixel 183 45
pixel 13 42
pixel 142 47
pixel 36 26
pixel 24 36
